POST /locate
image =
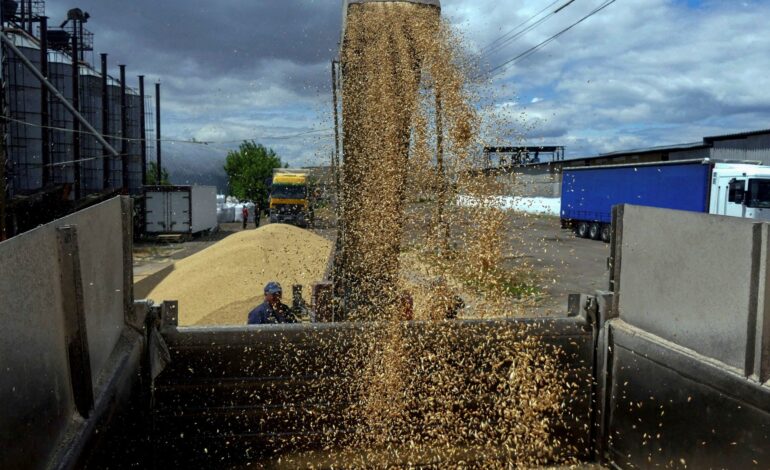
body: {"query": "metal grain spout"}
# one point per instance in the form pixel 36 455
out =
pixel 347 3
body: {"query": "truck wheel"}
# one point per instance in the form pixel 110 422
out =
pixel 582 229
pixel 606 233
pixel 595 231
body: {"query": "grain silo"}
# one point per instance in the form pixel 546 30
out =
pixel 91 150
pixel 24 145
pixel 38 179
pixel 60 75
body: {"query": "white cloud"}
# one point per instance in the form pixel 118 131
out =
pixel 639 73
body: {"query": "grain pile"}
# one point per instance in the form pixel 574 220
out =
pixel 220 285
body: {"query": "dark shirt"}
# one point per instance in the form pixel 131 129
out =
pixel 266 314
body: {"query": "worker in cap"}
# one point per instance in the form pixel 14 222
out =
pixel 272 310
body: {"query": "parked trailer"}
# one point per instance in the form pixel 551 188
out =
pixel 739 189
pixel 180 209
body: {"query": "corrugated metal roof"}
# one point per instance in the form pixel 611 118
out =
pixel 23 41
pixel 700 161
pixel 88 71
pixel 57 57
pixel 740 135
pixel 662 148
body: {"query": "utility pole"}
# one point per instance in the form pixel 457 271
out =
pixel 3 139
pixel 123 131
pixel 443 226
pixel 157 133
pixel 3 159
pixel 338 282
pixel 336 127
pixel 75 122
pixel 142 130
pixel 45 120
pixel 107 160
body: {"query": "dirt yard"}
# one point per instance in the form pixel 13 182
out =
pixel 563 263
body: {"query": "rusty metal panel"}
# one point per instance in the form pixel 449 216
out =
pixel 75 320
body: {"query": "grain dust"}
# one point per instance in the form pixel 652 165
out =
pixel 438 393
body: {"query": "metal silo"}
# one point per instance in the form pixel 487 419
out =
pixel 90 148
pixel 134 145
pixel 116 168
pixel 60 75
pixel 24 145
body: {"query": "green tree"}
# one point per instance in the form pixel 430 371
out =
pixel 152 175
pixel 249 171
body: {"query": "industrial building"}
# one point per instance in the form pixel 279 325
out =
pixel 543 179
pixel 74 139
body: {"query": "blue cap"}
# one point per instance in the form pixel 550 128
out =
pixel 273 288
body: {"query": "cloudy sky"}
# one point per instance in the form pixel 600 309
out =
pixel 639 73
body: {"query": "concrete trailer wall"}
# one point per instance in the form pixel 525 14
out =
pixel 44 316
pixel 35 392
pixel 683 364
pixel 693 280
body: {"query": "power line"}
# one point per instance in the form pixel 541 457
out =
pixel 513 35
pixel 518 26
pixel 178 141
pixel 536 48
pixel 280 137
pixel 210 144
pixel 564 6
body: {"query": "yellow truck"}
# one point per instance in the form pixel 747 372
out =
pixel 289 197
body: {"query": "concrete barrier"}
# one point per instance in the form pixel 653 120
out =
pixel 35 392
pixel 65 306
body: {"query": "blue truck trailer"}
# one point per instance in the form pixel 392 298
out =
pixel 739 189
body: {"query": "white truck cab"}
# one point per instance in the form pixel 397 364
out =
pixel 740 190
